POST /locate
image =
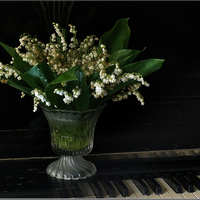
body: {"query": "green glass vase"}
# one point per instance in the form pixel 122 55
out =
pixel 72 134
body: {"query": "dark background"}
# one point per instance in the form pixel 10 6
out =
pixel 168 30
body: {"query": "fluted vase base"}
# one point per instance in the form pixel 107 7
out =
pixel 71 168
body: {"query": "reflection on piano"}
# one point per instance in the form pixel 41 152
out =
pixel 120 175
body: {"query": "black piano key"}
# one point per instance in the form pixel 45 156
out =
pixel 193 179
pixel 172 183
pixel 184 182
pixel 120 186
pixel 76 191
pixel 108 187
pixel 65 193
pixel 153 184
pixel 140 185
pixel 96 188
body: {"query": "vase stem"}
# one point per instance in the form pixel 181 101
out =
pixel 71 167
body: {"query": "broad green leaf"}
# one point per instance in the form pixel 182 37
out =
pixel 144 67
pixel 67 76
pixel 82 102
pixel 30 81
pixel 124 56
pixel 9 49
pixel 19 64
pixel 41 74
pixel 110 69
pixel 81 79
pixel 118 37
pixel 55 99
pixel 93 77
pixel 13 82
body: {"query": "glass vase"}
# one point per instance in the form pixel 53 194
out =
pixel 72 134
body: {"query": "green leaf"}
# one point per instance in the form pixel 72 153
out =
pixel 93 77
pixel 81 79
pixel 19 85
pixel 82 102
pixel 19 64
pixel 118 37
pixel 41 74
pixel 144 67
pixel 67 76
pixel 54 98
pixel 9 49
pixel 110 69
pixel 124 56
pixel 30 81
pixel 49 89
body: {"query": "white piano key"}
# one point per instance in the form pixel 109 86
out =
pixel 88 190
pixel 169 189
pixel 131 192
pixel 136 191
pixel 196 192
pixel 188 195
pixel 165 194
pixel 198 176
pixel 152 194
pixel 105 194
pixel 118 195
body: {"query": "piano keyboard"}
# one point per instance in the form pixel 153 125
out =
pixel 123 178
pixel 137 187
pixel 165 187
pixel 168 186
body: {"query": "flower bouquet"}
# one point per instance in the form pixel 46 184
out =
pixel 73 77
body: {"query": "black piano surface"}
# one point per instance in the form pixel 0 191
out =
pixel 25 155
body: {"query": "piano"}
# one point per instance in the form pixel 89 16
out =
pixel 140 152
pixel 133 175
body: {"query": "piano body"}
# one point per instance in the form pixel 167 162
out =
pixel 140 152
pixel 150 151
pixel 130 156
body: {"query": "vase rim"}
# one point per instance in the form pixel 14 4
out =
pixel 72 111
